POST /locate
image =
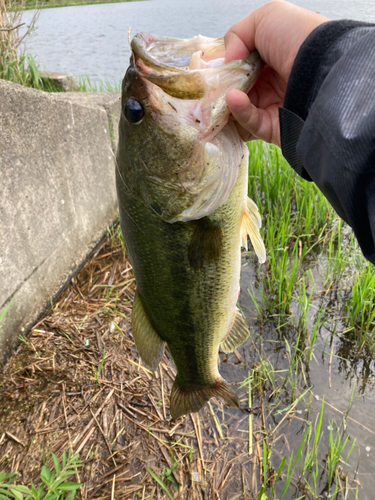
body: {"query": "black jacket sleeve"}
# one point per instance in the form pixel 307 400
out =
pixel 327 124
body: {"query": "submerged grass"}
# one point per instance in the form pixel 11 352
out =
pixel 299 226
pixel 316 289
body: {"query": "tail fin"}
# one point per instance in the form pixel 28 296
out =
pixel 190 399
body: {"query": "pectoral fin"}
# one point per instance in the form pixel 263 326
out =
pixel 206 243
pixel 237 335
pixel 188 399
pixel 250 225
pixel 149 345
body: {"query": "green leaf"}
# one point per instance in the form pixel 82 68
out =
pixel 70 495
pixel 51 496
pixel 3 313
pixel 40 491
pixel 17 494
pixel 4 492
pixel 34 493
pixel 46 475
pixel 70 486
pixel 160 482
pixel 23 489
pixel 56 463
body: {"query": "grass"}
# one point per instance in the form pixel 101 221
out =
pixel 297 216
pixel 300 225
pixel 316 293
pixel 15 65
pixel 86 85
pixel 53 483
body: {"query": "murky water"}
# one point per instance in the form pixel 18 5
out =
pixel 93 39
pixel 334 373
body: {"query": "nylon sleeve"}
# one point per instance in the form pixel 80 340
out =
pixel 327 124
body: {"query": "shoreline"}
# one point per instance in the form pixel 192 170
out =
pixel 31 5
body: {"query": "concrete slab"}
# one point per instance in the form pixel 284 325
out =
pixel 58 196
pixel 63 81
pixel 109 101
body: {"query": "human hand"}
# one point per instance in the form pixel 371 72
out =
pixel 277 30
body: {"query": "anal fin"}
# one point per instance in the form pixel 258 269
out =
pixel 188 399
pixel 149 345
pixel 250 225
pixel 206 243
pixel 237 334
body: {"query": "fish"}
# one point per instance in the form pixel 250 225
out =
pixel 182 176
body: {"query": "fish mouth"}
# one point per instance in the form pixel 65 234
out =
pixel 190 68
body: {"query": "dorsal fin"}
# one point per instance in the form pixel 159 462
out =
pixel 237 334
pixel 250 225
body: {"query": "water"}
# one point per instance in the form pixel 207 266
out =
pixel 344 381
pixel 92 40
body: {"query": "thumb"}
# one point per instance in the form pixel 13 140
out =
pixel 254 123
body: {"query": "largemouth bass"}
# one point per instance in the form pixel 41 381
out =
pixel 182 173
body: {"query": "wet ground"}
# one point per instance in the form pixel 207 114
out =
pixel 339 372
pixel 76 383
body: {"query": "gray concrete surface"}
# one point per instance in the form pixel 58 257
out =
pixel 110 101
pixel 63 81
pixel 57 198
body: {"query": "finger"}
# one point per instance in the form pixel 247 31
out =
pixel 234 47
pixel 239 39
pixel 245 134
pixel 257 122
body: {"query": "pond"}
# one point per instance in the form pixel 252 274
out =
pixel 92 40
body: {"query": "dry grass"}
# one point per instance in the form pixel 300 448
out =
pixel 76 382
pixel 12 58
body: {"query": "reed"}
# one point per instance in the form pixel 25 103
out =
pixel 15 64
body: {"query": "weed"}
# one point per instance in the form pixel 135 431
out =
pixel 160 482
pixel 54 482
pixel 86 85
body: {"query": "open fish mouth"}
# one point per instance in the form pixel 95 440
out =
pixel 181 85
pixel 189 68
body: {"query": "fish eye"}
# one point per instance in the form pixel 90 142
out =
pixel 134 111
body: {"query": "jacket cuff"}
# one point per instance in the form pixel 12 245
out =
pixel 290 129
